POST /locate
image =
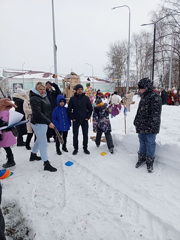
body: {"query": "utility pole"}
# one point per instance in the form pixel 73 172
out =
pixel 54 45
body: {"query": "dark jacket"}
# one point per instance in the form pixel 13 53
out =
pixel 101 122
pixel 41 108
pixel 79 107
pixel 19 100
pixel 52 95
pixel 148 116
pixel 60 118
pixel 164 97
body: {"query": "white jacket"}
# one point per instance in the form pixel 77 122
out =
pixel 115 99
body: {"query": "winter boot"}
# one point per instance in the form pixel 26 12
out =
pixel 149 164
pixel 34 157
pixel 58 151
pixel 111 150
pixel 141 160
pixel 64 148
pixel 28 140
pixel 86 151
pixel 75 151
pixel 20 141
pixel 48 167
pixel 10 162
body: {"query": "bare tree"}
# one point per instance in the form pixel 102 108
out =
pixel 168 28
pixel 142 54
pixel 117 59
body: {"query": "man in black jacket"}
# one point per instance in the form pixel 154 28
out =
pixel 80 110
pixel 147 123
pixel 52 96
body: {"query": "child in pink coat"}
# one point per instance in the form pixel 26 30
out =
pixel 7 139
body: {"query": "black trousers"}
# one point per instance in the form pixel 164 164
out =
pixel 84 125
pixel 8 151
pixel 108 139
pixel 64 135
pixel 28 139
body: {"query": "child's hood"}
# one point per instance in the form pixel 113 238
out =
pixel 59 98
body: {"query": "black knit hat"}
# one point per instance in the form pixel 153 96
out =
pixel 49 82
pixel 145 83
pixel 78 86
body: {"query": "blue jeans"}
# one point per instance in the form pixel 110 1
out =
pixel 41 142
pixel 147 144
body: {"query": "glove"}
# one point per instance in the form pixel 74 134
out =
pixel 13 130
pixel 3 123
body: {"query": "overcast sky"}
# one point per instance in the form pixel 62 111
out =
pixel 84 31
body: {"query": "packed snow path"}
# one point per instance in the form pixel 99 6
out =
pixel 102 198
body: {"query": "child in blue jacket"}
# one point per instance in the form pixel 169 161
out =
pixel 62 122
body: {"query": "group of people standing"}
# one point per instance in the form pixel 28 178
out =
pixel 42 114
pixel 46 110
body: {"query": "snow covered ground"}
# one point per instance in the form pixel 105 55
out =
pixel 99 197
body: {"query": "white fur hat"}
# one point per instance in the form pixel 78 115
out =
pixel 21 91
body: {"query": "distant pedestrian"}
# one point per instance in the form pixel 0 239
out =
pixel 147 123
pixel 115 98
pixel 164 96
pixel 115 104
pixel 129 99
pixel 80 110
pixel 28 113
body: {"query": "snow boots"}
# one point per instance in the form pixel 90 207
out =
pixel 48 167
pixel 58 151
pixel 86 151
pixel 75 151
pixel 141 160
pixel 111 150
pixel 20 142
pixel 64 148
pixel 10 162
pixel 28 140
pixel 34 157
pixel 149 164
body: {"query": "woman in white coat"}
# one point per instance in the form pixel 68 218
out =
pixel 28 112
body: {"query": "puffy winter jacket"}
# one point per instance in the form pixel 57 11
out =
pixel 148 116
pixel 19 100
pixel 79 107
pixel 60 118
pixel 52 95
pixel 101 122
pixel 41 108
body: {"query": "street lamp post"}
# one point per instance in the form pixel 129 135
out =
pixel 92 72
pixel 128 57
pixel 54 44
pixel 154 43
pixel 154 47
